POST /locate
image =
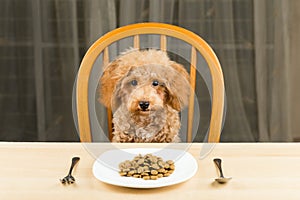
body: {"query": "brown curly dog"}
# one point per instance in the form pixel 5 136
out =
pixel 146 91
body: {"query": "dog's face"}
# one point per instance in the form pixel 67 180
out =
pixel 143 90
pixel 144 81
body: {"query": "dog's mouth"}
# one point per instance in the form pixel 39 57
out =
pixel 144 111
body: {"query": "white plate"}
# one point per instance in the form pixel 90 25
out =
pixel 105 168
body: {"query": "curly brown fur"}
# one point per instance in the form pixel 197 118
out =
pixel 146 91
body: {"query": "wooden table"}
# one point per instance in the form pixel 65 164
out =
pixel 259 171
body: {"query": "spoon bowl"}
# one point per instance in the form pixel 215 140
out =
pixel 223 179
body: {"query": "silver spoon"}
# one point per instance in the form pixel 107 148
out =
pixel 221 179
pixel 69 178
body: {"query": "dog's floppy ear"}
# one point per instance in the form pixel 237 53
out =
pixel 116 97
pixel 112 74
pixel 178 87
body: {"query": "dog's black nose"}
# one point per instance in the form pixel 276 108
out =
pixel 144 105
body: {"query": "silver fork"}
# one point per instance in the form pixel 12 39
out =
pixel 69 178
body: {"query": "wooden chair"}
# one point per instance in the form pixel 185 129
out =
pixel 164 31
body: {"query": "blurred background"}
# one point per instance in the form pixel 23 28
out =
pixel 42 43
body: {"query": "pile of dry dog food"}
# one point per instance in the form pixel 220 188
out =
pixel 148 167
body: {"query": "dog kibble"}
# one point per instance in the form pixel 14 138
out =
pixel 154 172
pixel 160 175
pixel 148 167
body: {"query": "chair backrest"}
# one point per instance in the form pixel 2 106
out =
pixel 164 31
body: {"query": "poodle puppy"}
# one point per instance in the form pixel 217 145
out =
pixel 146 92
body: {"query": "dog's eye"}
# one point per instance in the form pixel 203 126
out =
pixel 134 82
pixel 155 83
